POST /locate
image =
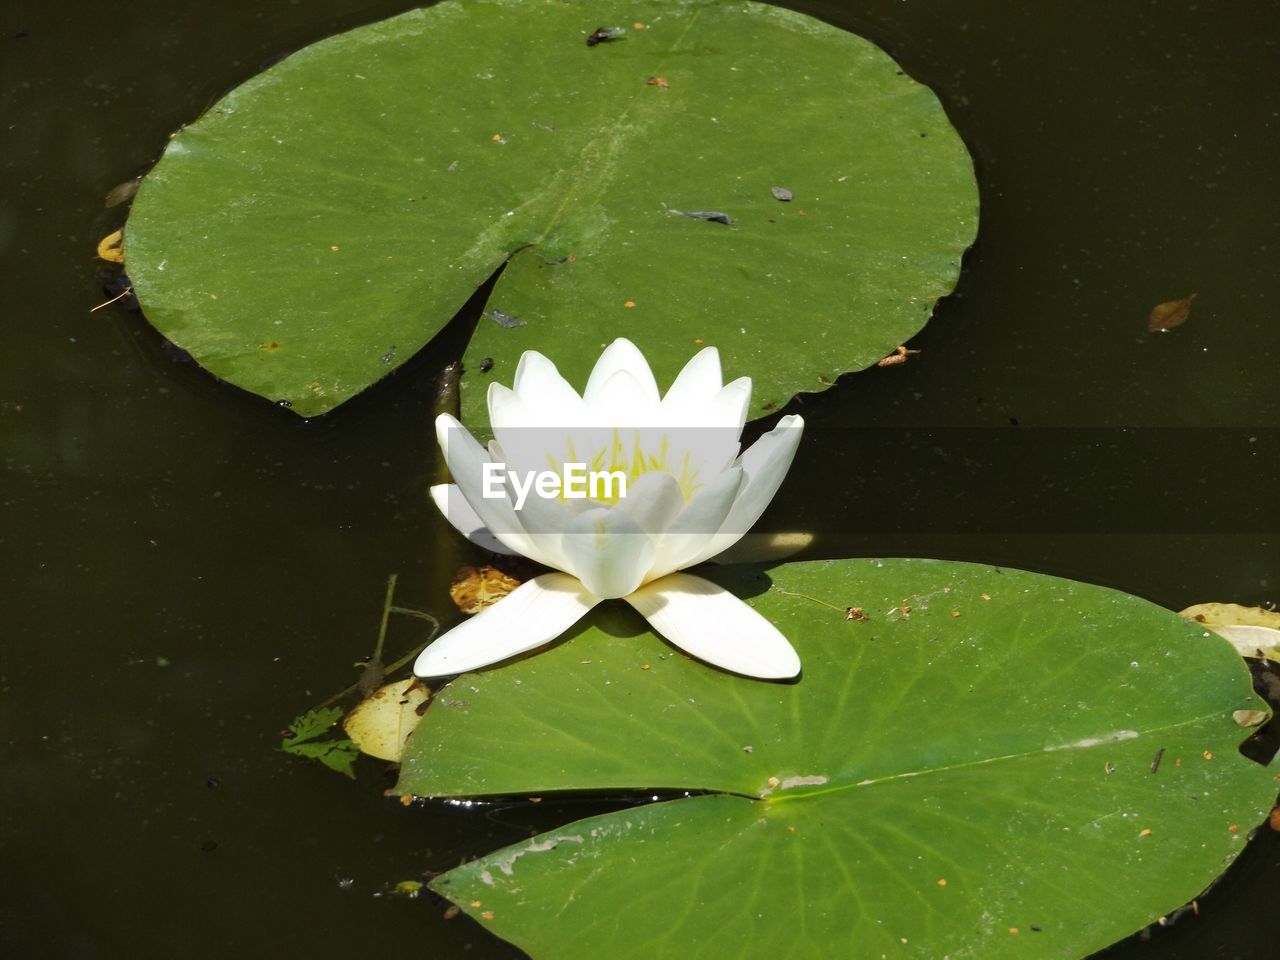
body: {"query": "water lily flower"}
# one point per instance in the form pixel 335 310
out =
pixel 690 493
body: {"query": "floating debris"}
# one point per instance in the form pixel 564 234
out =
pixel 713 216
pixel 473 588
pixel 897 357
pixel 122 192
pixel 504 319
pixel 657 81
pixel 1166 316
pixel 604 35
pixel 782 193
pixel 1249 718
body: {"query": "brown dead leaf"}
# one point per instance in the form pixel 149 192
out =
pixel 474 588
pixel 1166 316
pixel 111 247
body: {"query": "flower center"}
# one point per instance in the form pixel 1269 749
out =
pixel 647 454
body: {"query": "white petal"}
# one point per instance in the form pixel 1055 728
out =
pixel 728 408
pixel 536 376
pixel 622 400
pixel 765 465
pixel 546 519
pixel 710 433
pixel 712 624
pixel 608 552
pixel 507 409
pixel 542 519
pixel 697 524
pixel 696 384
pixel 653 501
pixel 539 384
pixel 466 460
pixel 450 501
pixel 535 613
pixel 621 355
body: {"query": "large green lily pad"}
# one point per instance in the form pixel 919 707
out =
pixel 323 221
pixel 992 763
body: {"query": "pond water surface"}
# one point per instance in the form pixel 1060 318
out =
pixel 187 567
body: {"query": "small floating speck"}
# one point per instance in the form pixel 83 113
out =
pixel 712 216
pixel 503 319
pixel 604 35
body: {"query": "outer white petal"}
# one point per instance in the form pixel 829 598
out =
pixel 622 354
pixel 710 433
pixel 696 384
pixel 535 613
pixel 450 501
pixel 466 460
pixel 608 552
pixel 712 624
pixel 765 465
pixel 727 410
pixel 697 524
pixel 507 409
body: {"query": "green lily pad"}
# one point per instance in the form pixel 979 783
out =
pixel 323 221
pixel 973 765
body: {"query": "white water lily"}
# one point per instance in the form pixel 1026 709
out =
pixel 691 493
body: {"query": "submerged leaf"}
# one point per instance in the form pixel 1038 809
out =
pixel 338 755
pixel 301 741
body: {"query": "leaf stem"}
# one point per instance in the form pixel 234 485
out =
pixel 375 671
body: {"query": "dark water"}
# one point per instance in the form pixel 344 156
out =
pixel 187 567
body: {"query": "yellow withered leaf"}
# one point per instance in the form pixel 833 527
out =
pixel 1250 629
pixel 111 247
pixel 379 724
